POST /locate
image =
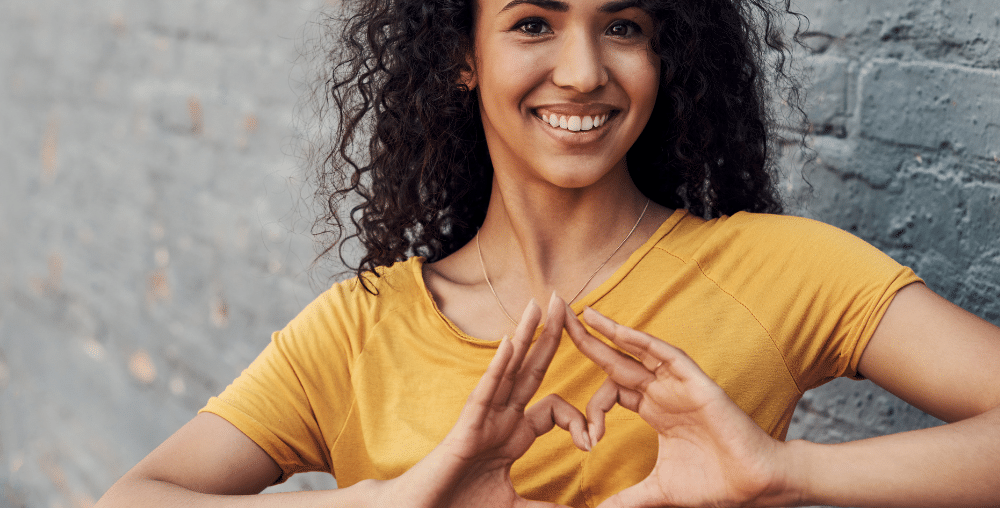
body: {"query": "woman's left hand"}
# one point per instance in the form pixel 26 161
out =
pixel 471 466
pixel 710 452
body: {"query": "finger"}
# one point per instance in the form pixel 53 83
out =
pixel 521 342
pixel 620 335
pixel 624 370
pixel 605 398
pixel 554 410
pixel 654 353
pixel 533 371
pixel 600 403
pixel 481 398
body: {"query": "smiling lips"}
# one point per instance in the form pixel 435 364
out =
pixel 575 123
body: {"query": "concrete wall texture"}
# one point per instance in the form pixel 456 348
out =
pixel 906 131
pixel 153 231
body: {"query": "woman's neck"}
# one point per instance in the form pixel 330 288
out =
pixel 537 238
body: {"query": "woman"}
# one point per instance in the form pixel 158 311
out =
pixel 500 134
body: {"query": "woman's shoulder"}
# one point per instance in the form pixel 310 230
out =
pixel 766 247
pixel 352 307
pixel 378 290
pixel 757 234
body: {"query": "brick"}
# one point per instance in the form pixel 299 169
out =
pixel 841 18
pixel 827 99
pixel 845 409
pixel 956 20
pixel 931 105
pixel 971 20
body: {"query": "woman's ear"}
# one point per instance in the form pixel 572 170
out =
pixel 467 77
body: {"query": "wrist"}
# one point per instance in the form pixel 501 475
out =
pixel 790 483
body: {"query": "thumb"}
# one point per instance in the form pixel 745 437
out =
pixel 636 496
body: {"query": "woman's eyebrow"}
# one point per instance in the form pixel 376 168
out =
pixel 552 5
pixel 560 6
pixel 619 5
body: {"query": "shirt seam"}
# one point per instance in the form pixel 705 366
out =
pixel 770 337
pixel 299 374
pixel 357 358
pixel 340 433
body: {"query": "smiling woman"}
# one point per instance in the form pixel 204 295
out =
pixel 611 159
pixel 564 62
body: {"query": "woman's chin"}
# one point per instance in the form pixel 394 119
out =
pixel 578 174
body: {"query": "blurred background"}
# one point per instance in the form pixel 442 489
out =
pixel 154 213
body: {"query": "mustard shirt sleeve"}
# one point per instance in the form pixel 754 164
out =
pixel 293 399
pixel 818 290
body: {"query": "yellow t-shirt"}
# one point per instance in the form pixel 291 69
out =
pixel 364 386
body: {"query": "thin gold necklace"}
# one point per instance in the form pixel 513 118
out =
pixel 494 291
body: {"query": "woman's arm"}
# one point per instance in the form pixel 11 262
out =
pixel 946 362
pixel 209 462
pixel 927 351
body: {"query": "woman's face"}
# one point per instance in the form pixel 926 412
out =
pixel 565 86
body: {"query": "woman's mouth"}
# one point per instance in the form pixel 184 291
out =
pixel 575 123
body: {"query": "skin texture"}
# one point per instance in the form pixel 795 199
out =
pixel 531 59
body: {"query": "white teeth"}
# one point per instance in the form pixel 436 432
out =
pixel 575 123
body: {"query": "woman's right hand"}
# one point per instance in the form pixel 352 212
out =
pixel 471 466
pixel 710 452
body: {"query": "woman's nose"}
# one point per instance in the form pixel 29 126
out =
pixel 579 64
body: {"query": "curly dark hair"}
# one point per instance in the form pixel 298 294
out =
pixel 422 183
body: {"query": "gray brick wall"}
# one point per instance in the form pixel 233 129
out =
pixel 152 231
pixel 152 222
pixel 906 131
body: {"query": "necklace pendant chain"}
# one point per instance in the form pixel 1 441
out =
pixel 585 284
pixel 490 284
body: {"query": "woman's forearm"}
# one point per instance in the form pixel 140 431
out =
pixel 132 492
pixel 950 465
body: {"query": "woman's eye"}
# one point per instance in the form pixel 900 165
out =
pixel 624 28
pixel 533 27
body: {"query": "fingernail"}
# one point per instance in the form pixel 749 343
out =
pixel 553 299
pixel 532 304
